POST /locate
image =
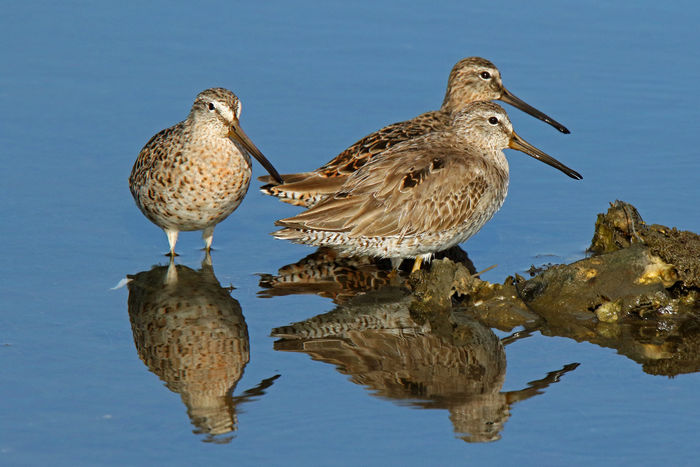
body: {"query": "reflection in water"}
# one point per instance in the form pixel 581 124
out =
pixel 190 332
pixel 328 274
pixel 374 340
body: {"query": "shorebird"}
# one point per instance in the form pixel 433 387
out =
pixel 471 79
pixel 421 196
pixel 193 175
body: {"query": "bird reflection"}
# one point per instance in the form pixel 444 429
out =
pixel 374 340
pixel 190 332
pixel 331 275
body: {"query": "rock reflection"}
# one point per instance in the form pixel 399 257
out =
pixel 328 274
pixel 374 340
pixel 190 332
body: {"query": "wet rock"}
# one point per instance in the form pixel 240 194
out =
pixel 534 270
pixel 633 278
pixel 445 284
pixel 433 290
pixel 617 229
pixel 622 225
pixel 637 294
pixel 610 312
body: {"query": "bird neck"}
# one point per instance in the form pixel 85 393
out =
pixel 456 97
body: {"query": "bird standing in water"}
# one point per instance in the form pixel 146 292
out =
pixel 193 175
pixel 421 196
pixel 471 79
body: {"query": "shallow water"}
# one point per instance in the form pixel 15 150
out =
pixel 84 86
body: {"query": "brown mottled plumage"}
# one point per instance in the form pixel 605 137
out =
pixel 421 196
pixel 195 174
pixel 471 79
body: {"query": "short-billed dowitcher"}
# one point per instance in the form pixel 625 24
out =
pixel 191 176
pixel 471 79
pixel 422 196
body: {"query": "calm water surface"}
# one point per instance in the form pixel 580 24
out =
pixel 93 375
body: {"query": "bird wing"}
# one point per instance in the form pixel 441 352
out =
pixel 357 155
pixel 158 149
pixel 415 188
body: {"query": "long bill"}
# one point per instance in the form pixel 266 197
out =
pixel 516 142
pixel 237 133
pixel 509 98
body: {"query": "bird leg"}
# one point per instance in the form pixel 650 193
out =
pixel 208 236
pixel 172 240
pixel 417 263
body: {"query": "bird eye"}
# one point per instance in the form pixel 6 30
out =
pixel 211 106
pixel 493 121
pixel 485 75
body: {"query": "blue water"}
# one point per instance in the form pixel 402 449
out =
pixel 84 85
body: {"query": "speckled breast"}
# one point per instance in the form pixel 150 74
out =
pixel 199 191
